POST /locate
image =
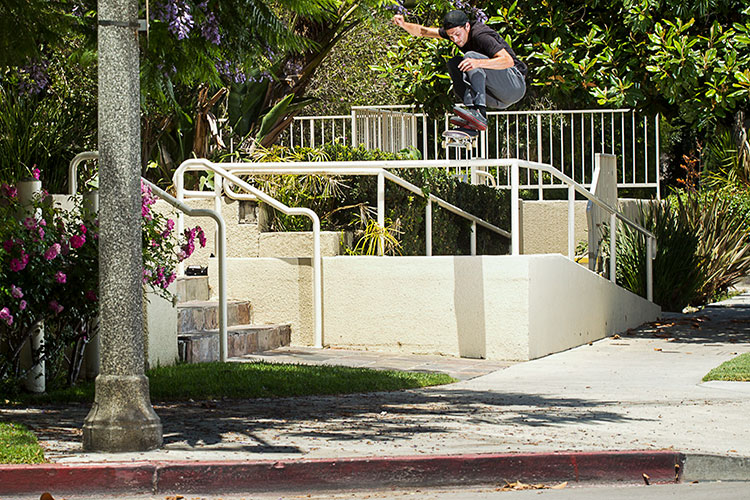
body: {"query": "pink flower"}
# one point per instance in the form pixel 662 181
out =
pixel 77 241
pixel 22 305
pixel 201 238
pixel 41 233
pixel 60 277
pixel 6 316
pixel 55 307
pixel 7 245
pixel 16 292
pixel 181 255
pixel 52 251
pixel 17 265
pixel 29 223
pixel 9 191
pixel 35 173
pixel 82 228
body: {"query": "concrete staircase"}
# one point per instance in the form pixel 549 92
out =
pixel 197 326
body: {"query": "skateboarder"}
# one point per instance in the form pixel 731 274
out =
pixel 488 75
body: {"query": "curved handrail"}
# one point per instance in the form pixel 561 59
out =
pixel 200 164
pixel 73 168
pixel 193 212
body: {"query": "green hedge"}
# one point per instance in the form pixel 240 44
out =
pixel 347 203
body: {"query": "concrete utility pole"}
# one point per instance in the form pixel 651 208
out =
pixel 122 418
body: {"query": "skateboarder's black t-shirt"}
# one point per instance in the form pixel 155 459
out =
pixel 488 42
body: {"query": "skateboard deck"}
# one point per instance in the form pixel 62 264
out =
pixel 459 138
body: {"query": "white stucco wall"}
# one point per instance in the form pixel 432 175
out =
pixel 495 307
pixel 160 329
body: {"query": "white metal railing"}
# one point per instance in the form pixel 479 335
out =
pixel 222 173
pixel 512 166
pixel 565 139
pixel 193 212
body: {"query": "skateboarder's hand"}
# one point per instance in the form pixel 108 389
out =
pixel 468 64
pixel 398 20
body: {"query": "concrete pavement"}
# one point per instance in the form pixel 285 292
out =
pixel 640 390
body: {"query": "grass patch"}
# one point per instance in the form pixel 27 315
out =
pixel 736 369
pixel 253 380
pixel 18 445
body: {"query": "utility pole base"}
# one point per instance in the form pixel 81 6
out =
pixel 122 418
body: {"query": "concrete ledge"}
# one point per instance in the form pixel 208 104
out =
pixel 625 467
pixel 493 307
pixel 716 468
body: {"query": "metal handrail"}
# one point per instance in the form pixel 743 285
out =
pixel 193 212
pixel 378 168
pixel 223 173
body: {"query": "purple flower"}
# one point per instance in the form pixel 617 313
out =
pixel 210 29
pixel 176 13
pixel 34 77
pixel 16 292
pixel 55 307
pixel 36 173
pixel 41 233
pixel 22 305
pixel 29 223
pixel 52 251
pixel 60 277
pixel 7 245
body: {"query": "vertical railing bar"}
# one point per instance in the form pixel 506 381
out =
pixel 571 222
pixel 613 248
pixel 622 140
pixel 540 180
pixel 633 131
pixel 645 149
pixel 428 226
pixel 657 166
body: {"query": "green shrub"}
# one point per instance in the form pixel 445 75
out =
pixel 702 247
pixel 348 203
pixel 676 267
pixel 720 219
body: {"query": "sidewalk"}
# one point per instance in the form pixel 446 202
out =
pixel 640 390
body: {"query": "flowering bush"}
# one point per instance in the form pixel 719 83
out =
pixel 49 274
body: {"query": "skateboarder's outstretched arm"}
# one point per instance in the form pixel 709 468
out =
pixel 416 29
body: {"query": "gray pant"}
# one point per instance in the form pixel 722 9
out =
pixel 493 88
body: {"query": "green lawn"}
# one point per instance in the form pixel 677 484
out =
pixel 253 380
pixel 737 369
pixel 18 445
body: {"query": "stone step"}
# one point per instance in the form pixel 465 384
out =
pixel 202 315
pixel 192 288
pixel 203 346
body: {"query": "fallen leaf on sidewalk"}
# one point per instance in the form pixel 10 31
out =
pixel 46 496
pixel 174 497
pixel 518 485
pixel 646 479
pixel 657 348
pixel 615 336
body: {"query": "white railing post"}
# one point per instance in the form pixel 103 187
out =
pixel 657 163
pixel 473 238
pixel 571 222
pixel 515 228
pixel 428 227
pixel 318 284
pixel 381 212
pixel 613 248
pixel 354 128
pixel 650 254
pixel 540 180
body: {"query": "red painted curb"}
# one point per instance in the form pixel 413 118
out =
pixel 379 472
pixel 346 473
pixel 73 478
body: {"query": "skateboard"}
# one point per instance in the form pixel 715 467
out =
pixel 463 138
